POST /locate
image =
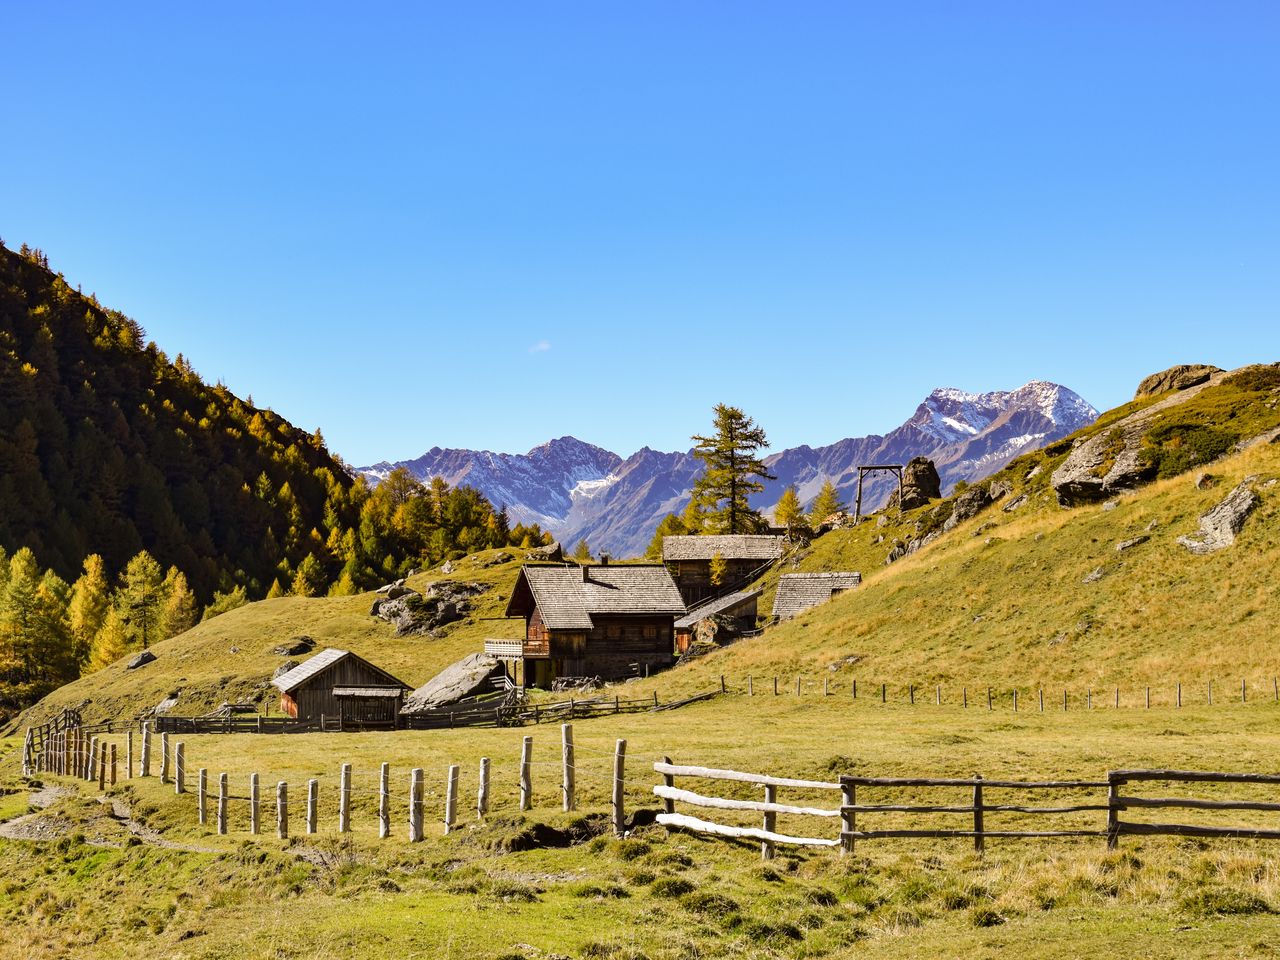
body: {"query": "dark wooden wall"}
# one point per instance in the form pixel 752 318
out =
pixel 693 578
pixel 315 697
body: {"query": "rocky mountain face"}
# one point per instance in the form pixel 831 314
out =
pixel 580 491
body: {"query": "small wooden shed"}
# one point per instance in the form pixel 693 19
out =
pixel 337 683
pixel 745 557
pixel 739 607
pixel 798 592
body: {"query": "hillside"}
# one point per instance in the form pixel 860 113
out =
pixel 579 491
pixel 107 446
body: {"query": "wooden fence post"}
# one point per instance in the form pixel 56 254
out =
pixel 723 688
pixel 775 686
pixel 1064 701
pixel 1117 698
pixel 113 764
pixel 222 803
pixel 884 693
pixel 164 758
pixel 102 765
pixel 848 797
pixel 1242 695
pixel 482 792
pixel 282 810
pixel 91 767
pixel 668 805
pixel 938 698
pixel 344 799
pixel 855 688
pixel 619 786
pixel 911 692
pixel 1088 698
pixel 989 705
pixel 567 761
pixel 451 799
pixel 313 806
pixel 179 767
pixel 964 696
pixel 1148 698
pixel 253 803
pixel 202 796
pixel 526 774
pixel 1042 699
pixel 384 801
pixel 770 821
pixel 1211 693
pixel 415 805
pixel 797 686
pixel 979 839
pixel 1015 699
pixel 1113 811
pixel 1179 694
pixel 128 755
pixel 146 750
pixel 825 691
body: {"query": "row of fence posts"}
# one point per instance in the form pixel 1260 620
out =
pixel 992 694
pixel 416 798
pixel 74 753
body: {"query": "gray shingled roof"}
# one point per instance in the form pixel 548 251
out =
pixel 567 597
pixel 797 592
pixel 740 546
pixel 305 671
pixel 389 693
pixel 712 607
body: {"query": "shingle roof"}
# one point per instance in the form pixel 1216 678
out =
pixel 797 592
pixel 305 671
pixel 741 546
pixel 389 692
pixel 567 597
pixel 712 607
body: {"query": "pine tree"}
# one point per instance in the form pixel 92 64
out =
pixel 90 600
pixel 224 602
pixel 140 601
pixel 582 553
pixel 309 580
pixel 788 513
pixel 733 472
pixel 179 613
pixel 18 614
pixel 53 660
pixel 827 502
pixel 111 642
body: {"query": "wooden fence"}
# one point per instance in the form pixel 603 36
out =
pixel 1064 799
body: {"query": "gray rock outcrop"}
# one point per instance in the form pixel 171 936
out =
pixel 445 602
pixel 1221 525
pixel 1175 378
pixel 284 668
pixel 141 660
pixel 295 647
pixel 968 505
pixel 1132 542
pixel 468 677
pixel 551 553
pixel 920 484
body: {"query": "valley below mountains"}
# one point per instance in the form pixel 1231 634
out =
pixel 579 491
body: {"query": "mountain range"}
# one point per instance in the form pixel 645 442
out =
pixel 581 491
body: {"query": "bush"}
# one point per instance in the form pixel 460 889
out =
pixel 1258 378
pixel 671 887
pixel 1223 901
pixel 1175 448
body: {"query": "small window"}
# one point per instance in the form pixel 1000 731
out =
pixel 651 633
pixel 613 631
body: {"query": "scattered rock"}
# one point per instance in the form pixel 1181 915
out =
pixel 1175 378
pixel 399 590
pixel 168 703
pixel 503 558
pixel 1095 576
pixel 898 551
pixel 447 567
pixel 551 553
pixel 882 520
pixel 1000 489
pixel 445 602
pixel 467 677
pixel 989 525
pixel 1034 471
pixel 1269 436
pixel 388 587
pixel 1219 527
pixel 1111 505
pixel 1205 480
pixel 295 647
pixel 284 668
pixel 1038 537
pixel 920 484
pixel 1124 545
pixel 141 660
pixel 968 505
pixel 1015 503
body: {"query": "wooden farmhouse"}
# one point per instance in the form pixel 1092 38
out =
pixel 607 621
pixel 337 684
pixel 689 558
pixel 798 592
pixel 738 608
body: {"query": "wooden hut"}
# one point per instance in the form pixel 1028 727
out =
pixel 745 557
pixel 739 608
pixel 798 592
pixel 338 684
pixel 608 621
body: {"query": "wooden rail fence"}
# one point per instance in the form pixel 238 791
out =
pixel 974 806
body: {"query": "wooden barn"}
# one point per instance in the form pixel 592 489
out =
pixel 739 608
pixel 338 684
pixel 689 558
pixel 798 592
pixel 608 621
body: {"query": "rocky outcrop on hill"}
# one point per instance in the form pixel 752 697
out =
pixel 1176 378
pixel 411 613
pixel 968 505
pixel 466 678
pixel 920 484
pixel 141 660
pixel 1220 526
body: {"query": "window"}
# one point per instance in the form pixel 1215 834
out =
pixel 613 631
pixel 651 633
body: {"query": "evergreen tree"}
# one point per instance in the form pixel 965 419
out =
pixel 179 613
pixel 140 601
pixel 52 649
pixel 90 600
pixel 111 642
pixel 733 472
pixel 669 526
pixel 827 502
pixel 224 602
pixel 788 513
pixel 582 553
pixel 18 614
pixel 309 580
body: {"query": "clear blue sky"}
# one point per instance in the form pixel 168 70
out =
pixel 486 225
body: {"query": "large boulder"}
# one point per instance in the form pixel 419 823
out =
pixel 551 553
pixel 141 660
pixel 920 484
pixel 1220 526
pixel 968 505
pixel 445 602
pixel 466 678
pixel 1175 378
pixel 295 647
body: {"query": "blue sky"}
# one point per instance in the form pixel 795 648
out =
pixel 490 224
